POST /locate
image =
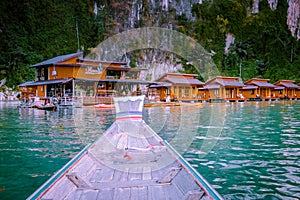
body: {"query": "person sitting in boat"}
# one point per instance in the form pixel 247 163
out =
pixel 47 102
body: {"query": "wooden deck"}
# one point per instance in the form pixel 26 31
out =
pixel 127 166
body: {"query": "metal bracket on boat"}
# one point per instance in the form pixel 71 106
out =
pixel 169 176
pixel 79 182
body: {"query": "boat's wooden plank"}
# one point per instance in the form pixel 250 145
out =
pixel 117 175
pixel 114 137
pixel 153 141
pixel 74 195
pixel 194 195
pixel 124 175
pixel 173 192
pixel 85 166
pixel 101 175
pixel 185 182
pixel 156 192
pixel 105 194
pixel 161 168
pixel 142 141
pixel 124 184
pixel 132 141
pixel 77 180
pixel 61 189
pixel 170 175
pixel 88 194
pixel 121 194
pixel 147 173
pixel 139 193
pixel 135 173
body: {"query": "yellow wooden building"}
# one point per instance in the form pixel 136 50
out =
pixel 285 89
pixel 72 76
pixel 258 88
pixel 223 88
pixel 176 86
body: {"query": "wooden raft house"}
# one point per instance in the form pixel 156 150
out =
pixel 179 87
pixel 129 161
pixel 223 88
pixel 258 89
pixel 298 91
pixel 89 81
pixel 285 89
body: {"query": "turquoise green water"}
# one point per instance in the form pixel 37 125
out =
pixel 245 150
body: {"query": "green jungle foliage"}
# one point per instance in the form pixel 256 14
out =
pixel 32 31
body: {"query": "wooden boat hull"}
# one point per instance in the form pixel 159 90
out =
pixel 109 106
pixel 47 107
pixel 129 161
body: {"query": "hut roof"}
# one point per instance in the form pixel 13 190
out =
pixel 160 84
pixel 190 81
pixel 263 84
pixel 234 83
pixel 289 85
pixel 212 86
pixel 249 87
pixel 57 59
pixel 46 82
pixel 279 88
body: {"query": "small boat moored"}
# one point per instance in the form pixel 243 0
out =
pixel 128 161
pixel 46 104
pixel 102 105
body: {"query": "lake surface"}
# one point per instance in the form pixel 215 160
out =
pixel 248 150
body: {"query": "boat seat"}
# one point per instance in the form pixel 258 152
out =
pixel 194 195
pixel 170 175
pixel 77 180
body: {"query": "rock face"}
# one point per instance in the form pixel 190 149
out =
pixel 125 15
pixel 293 14
pixel 157 64
pixel 293 18
pixel 129 14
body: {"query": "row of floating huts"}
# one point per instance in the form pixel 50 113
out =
pixel 91 82
pixel 186 87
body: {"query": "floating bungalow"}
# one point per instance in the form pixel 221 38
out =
pixel 222 88
pixel 89 81
pixel 258 89
pixel 175 87
pixel 285 89
pixel 298 91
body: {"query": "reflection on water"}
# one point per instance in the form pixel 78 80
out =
pixel 245 150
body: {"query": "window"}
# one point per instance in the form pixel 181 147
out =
pixel 181 91
pixel 113 74
pixel 216 92
pixel 131 75
pixel 251 91
pixel 186 91
pixel 41 74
